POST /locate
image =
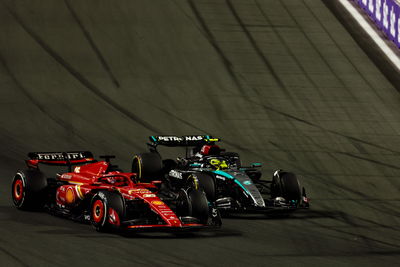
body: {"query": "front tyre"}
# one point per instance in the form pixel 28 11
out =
pixel 107 210
pixel 287 185
pixel 199 204
pixel 205 182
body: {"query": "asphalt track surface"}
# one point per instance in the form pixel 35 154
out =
pixel 281 81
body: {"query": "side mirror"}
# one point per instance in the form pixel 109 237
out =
pixel 256 165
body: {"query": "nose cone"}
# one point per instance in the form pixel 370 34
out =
pixel 249 187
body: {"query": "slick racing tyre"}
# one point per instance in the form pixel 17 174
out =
pixel 193 202
pixel 107 211
pixel 286 185
pixel 28 189
pixel 199 203
pixel 183 204
pixel 147 166
pixel 207 183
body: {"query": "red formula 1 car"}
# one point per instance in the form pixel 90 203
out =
pixel 99 193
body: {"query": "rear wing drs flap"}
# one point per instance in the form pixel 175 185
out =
pixel 59 158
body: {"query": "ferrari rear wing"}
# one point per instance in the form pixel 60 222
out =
pixel 59 158
pixel 186 140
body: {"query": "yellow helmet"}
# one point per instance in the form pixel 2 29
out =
pixel 218 164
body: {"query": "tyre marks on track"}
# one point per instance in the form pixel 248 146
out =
pixel 240 77
pixel 211 39
pixel 78 76
pixel 257 49
pixel 325 180
pixel 92 43
pixel 309 123
pixel 338 46
pixel 291 117
pixel 287 48
pixel 316 48
pixel 370 242
pixel 13 257
pixel 68 127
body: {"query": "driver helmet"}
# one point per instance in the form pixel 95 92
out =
pixel 218 164
pixel 210 150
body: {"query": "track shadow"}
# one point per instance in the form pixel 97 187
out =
pixel 297 215
pixel 40 218
pixel 63 226
pixel 152 234
pixel 198 234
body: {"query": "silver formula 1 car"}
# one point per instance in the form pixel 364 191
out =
pixel 230 185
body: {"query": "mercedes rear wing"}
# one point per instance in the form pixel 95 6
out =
pixel 186 140
pixel 59 158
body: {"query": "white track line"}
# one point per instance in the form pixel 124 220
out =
pixel 372 33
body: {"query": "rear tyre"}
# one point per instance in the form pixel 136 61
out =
pixel 28 189
pixel 147 166
pixel 107 210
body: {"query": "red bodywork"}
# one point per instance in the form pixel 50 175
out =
pixel 92 177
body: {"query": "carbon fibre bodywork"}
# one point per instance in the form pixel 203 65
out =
pixel 237 188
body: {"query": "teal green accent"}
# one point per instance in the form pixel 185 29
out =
pixel 154 139
pixel 244 188
pixel 227 175
pixel 195 165
pixel 222 173
pixel 256 164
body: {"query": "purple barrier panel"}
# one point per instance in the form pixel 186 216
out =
pixel 392 30
pixel 378 13
pixel 394 24
pixel 363 4
pixel 385 14
pixel 371 8
pixel 390 18
pixel 397 39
